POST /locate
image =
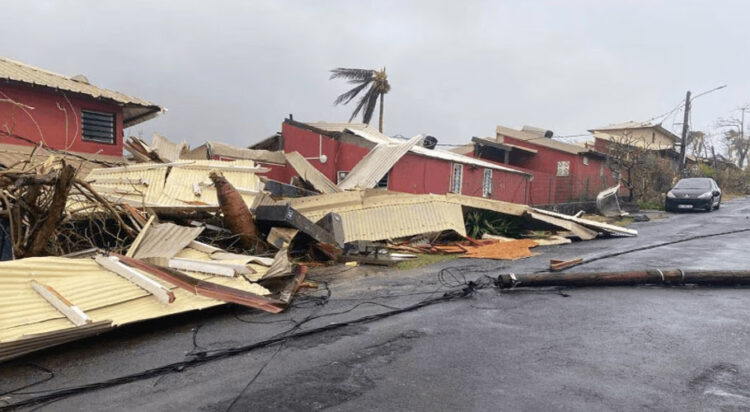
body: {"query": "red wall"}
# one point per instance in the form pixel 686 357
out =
pixel 411 174
pixel 583 183
pixel 46 122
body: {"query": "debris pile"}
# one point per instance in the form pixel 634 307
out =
pixel 177 231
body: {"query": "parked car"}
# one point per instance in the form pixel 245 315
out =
pixel 694 193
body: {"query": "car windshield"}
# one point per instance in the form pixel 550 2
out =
pixel 693 184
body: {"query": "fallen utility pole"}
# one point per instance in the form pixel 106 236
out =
pixel 627 278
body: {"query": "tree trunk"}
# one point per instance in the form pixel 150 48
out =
pixel 41 237
pixel 380 124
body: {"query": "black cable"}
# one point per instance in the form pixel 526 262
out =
pixel 55 395
pixel 50 376
pixel 257 374
pixel 638 249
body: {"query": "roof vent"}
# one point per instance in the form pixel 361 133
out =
pixel 80 79
pixel 429 142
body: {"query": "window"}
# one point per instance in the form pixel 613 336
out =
pixel 456 177
pixel 585 160
pixel 563 168
pixel 653 137
pixel 382 183
pixel 487 183
pixel 98 126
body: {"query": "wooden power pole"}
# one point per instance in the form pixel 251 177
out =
pixel 683 147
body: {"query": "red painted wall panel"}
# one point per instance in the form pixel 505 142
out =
pixel 411 174
pixel 47 121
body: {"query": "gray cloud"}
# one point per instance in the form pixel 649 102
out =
pixel 233 70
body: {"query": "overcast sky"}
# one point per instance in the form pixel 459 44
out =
pixel 232 71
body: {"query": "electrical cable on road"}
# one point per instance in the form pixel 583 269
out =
pixel 53 395
pixel 641 248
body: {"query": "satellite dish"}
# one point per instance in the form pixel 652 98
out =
pixel 323 158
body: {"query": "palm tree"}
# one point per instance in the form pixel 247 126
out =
pixel 378 83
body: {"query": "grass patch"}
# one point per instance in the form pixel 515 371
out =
pixel 424 260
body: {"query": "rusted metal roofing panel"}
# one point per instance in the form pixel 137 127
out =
pixel 600 226
pixel 310 174
pixel 101 294
pixel 136 110
pixel 377 163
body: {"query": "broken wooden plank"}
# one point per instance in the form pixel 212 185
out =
pixel 292 287
pixel 72 312
pixel 138 239
pixel 557 264
pixel 112 264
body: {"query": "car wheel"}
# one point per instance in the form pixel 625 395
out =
pixel 718 204
pixel 710 206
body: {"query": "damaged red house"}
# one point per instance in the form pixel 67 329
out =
pixel 563 172
pixel 336 149
pixel 67 113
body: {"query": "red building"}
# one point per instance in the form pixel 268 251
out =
pixel 63 112
pixel 563 172
pixel 335 148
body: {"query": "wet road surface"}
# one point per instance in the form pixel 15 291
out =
pixel 623 348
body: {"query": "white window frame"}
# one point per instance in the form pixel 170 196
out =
pixel 458 168
pixel 487 183
pixel 341 175
pixel 563 168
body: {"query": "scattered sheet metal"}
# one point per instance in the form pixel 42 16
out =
pixel 164 240
pixel 604 227
pixel 285 216
pixel 368 172
pixel 29 323
pixel 310 174
pixel 166 149
pixel 579 230
pixel 223 151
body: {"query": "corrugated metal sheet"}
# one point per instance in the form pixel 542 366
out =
pixel 17 156
pixel 166 149
pixel 236 152
pixel 171 185
pixel 381 214
pixel 179 187
pixel 24 73
pixel 373 135
pixel 377 163
pixel 102 295
pixel 165 240
pixel 394 221
pixel 310 174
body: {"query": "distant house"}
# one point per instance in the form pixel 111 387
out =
pixel 563 172
pixel 66 113
pixel 652 137
pixel 336 148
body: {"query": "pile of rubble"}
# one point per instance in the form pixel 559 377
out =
pixel 87 248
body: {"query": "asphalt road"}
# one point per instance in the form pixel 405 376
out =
pixel 618 348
